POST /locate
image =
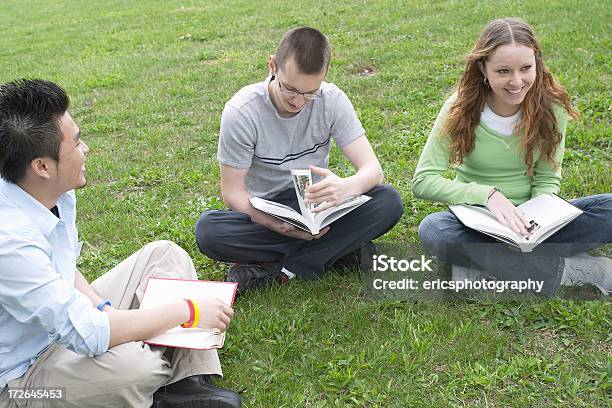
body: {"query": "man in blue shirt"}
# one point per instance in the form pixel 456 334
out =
pixel 56 330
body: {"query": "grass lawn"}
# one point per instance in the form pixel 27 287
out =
pixel 148 81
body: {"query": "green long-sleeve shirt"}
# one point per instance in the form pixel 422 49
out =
pixel 496 161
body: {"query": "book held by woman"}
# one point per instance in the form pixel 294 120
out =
pixel 546 213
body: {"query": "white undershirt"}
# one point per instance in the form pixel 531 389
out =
pixel 500 124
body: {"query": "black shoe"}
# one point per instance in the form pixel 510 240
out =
pixel 195 392
pixel 353 259
pixel 251 276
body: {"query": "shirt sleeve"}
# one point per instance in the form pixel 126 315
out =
pixel 429 183
pixel 547 176
pixel 345 126
pixel 34 293
pixel 236 139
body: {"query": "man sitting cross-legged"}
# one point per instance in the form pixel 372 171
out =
pixel 288 122
pixel 57 332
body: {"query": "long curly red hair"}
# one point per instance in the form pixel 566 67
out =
pixel 538 125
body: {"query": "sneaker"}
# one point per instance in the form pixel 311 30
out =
pixel 196 391
pixel 353 259
pixel 251 276
pixel 463 273
pixel 583 269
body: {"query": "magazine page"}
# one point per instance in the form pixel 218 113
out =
pixel 161 291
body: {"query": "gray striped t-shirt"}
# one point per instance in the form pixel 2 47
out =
pixel 253 136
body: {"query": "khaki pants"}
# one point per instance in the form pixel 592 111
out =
pixel 126 375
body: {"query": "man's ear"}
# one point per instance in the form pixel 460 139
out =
pixel 272 65
pixel 40 167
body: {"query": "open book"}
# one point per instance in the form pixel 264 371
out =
pixel 546 213
pixel 160 291
pixel 307 220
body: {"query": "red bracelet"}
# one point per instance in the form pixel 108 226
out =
pixel 191 320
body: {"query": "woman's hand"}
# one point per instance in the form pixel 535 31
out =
pixel 507 213
pixel 332 190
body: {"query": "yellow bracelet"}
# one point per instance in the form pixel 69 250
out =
pixel 196 313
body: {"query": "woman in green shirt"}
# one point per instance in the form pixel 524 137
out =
pixel 503 131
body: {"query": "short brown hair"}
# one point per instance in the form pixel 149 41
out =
pixel 308 46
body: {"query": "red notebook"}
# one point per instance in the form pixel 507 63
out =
pixel 160 291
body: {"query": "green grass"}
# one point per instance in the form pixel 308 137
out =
pixel 148 81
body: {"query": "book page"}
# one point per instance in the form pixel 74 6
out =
pixel 548 211
pixel 328 216
pixel 481 219
pixel 274 204
pixel 282 212
pixel 161 291
pixel 302 180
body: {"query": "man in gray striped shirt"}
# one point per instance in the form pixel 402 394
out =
pixel 288 122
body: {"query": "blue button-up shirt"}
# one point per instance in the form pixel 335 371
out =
pixel 39 304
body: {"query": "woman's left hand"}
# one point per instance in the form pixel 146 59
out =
pixel 332 190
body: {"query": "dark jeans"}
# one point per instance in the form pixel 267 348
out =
pixel 443 235
pixel 231 236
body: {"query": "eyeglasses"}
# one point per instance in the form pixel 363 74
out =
pixel 291 93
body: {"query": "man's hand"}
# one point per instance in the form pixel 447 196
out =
pixel 284 228
pixel 507 213
pixel 237 198
pixel 214 314
pixel 332 190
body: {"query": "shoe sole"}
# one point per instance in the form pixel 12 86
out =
pixel 227 401
pixel 598 286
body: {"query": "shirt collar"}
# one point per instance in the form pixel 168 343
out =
pixel 38 213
